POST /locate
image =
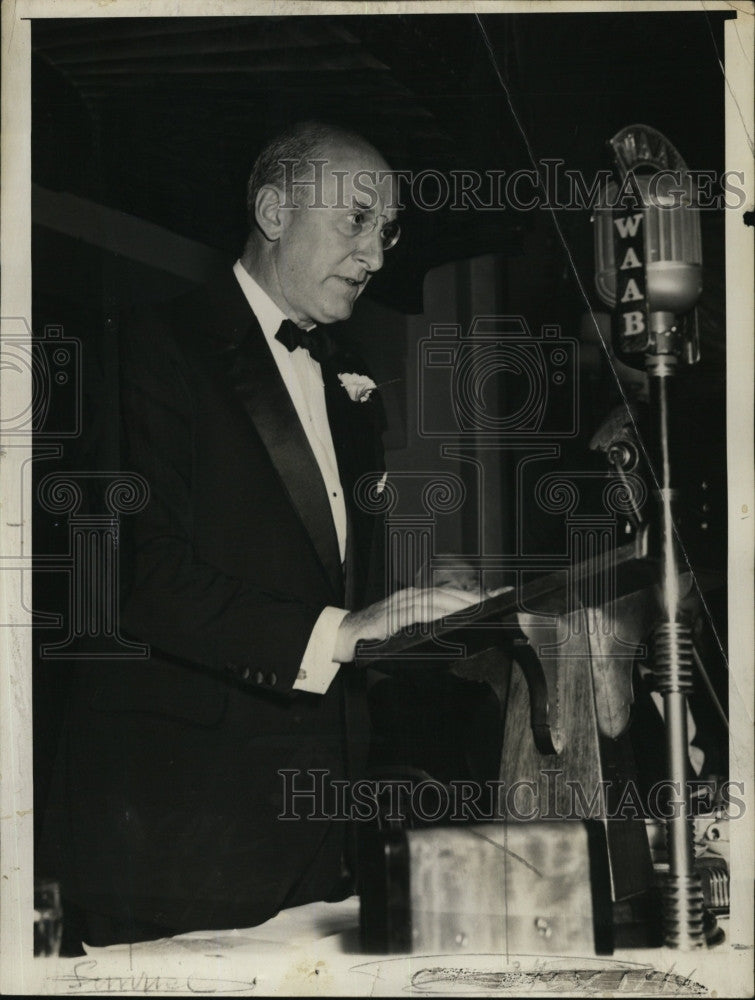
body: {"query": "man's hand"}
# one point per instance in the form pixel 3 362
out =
pixel 403 608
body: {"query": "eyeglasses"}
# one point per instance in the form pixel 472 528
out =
pixel 361 222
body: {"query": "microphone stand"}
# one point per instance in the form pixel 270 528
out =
pixel 673 649
pixel 648 269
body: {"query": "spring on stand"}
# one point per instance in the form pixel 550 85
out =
pixel 673 673
pixel 683 912
pixel 682 887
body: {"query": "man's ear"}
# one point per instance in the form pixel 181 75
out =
pixel 268 212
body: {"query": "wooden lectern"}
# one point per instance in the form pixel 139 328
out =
pixel 558 652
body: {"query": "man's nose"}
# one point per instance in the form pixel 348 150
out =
pixel 369 252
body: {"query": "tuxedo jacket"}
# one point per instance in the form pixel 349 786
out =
pixel 169 792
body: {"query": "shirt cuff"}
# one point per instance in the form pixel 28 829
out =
pixel 318 668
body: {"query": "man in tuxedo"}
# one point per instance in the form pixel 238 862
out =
pixel 254 573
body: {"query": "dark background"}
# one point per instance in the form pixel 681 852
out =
pixel 162 118
pixel 144 131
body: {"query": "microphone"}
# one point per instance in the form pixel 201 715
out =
pixel 648 268
pixel 648 252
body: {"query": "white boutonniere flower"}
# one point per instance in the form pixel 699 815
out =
pixel 380 486
pixel 359 387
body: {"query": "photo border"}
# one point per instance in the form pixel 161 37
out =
pixel 729 970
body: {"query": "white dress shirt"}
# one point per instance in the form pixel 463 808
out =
pixel 303 379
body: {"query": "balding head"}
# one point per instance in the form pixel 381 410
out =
pixel 321 207
pixel 292 154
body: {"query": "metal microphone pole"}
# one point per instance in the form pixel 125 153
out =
pixel 649 269
pixel 672 665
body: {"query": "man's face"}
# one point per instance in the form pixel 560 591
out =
pixel 321 268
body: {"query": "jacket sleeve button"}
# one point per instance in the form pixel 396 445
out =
pixel 272 679
pixel 259 677
pixel 244 673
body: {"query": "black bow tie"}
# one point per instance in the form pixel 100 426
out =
pixel 292 336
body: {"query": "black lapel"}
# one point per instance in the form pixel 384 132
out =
pixel 343 445
pixel 356 429
pixel 226 318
